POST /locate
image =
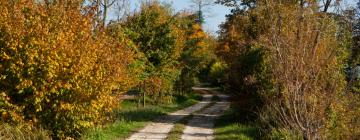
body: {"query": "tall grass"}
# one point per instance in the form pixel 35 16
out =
pixel 12 132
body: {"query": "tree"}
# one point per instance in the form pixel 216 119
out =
pixel 104 6
pixel 122 9
pixel 158 36
pixel 201 4
pixel 197 54
pixel 238 5
pixel 354 17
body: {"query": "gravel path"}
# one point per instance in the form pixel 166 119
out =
pixel 159 129
pixel 200 126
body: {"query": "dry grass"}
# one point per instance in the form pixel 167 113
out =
pixel 11 132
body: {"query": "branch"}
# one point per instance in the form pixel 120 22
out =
pixel 326 5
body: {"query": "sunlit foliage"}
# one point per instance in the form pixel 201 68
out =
pixel 56 71
pixel 290 56
pixel 197 54
pixel 160 39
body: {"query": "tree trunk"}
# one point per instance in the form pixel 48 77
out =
pixel 144 95
pixel 105 13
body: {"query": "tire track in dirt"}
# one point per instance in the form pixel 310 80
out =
pixel 200 127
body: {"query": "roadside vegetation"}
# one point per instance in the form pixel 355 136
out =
pixel 230 127
pixel 285 64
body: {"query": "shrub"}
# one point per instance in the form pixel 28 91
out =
pixel 56 71
pixel 292 56
pixel 307 72
pixel 217 72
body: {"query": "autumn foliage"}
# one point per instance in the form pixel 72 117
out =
pixel 62 73
pixel 197 56
pixel 173 49
pixel 56 71
pixel 288 60
pixel 62 67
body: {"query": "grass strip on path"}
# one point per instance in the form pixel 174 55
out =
pixel 178 129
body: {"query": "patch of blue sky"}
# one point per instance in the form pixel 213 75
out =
pixel 214 14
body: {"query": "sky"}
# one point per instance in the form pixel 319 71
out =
pixel 214 14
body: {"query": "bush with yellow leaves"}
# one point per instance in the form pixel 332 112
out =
pixel 56 70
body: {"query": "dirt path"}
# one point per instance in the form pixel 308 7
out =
pixel 159 129
pixel 200 127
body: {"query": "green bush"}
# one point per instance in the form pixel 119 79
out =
pixel 217 72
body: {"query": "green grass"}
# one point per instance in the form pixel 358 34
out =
pixel 131 118
pixel 227 128
pixel 177 130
